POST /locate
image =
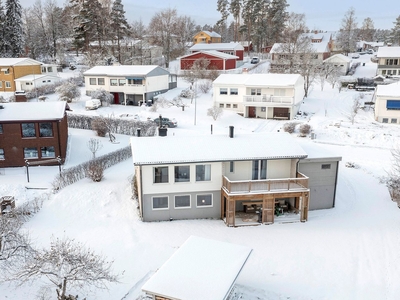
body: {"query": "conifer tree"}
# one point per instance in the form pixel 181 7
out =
pixel 2 24
pixel 13 29
pixel 119 24
pixel 395 35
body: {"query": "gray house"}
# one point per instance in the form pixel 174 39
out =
pixel 243 179
pixel 130 85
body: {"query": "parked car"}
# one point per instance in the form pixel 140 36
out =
pixel 92 104
pixel 255 60
pixel 370 51
pixel 171 123
pixel 355 55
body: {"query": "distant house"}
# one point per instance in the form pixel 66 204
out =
pixel 199 277
pixel 34 132
pixel 206 37
pixel 217 60
pixel 130 85
pixel 341 61
pixel 247 45
pixel 388 61
pixel 30 82
pixel 387 103
pixel 235 49
pixel 267 96
pixel 15 68
pixel 140 52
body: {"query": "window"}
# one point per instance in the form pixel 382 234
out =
pixel 182 201
pixel 385 120
pixel 160 175
pixel 255 92
pixel 92 81
pixel 393 104
pixel 28 130
pixel 234 91
pixel 182 173
pixel 204 200
pixel 43 69
pixel 1 84
pixel 50 69
pixel 1 128
pixel 45 129
pixel 223 91
pixel 8 84
pixel 203 172
pixel 1 153
pixel 234 105
pixel 263 109
pixel 383 72
pixel 228 106
pixel 30 153
pixel 100 81
pixel 48 152
pixel 7 71
pixel 135 81
pixel 259 169
pixel 113 82
pixel 392 62
pixel 221 105
pixel 122 81
pixel 160 202
pixel 325 166
pixel 279 92
pixel 231 166
pixel 393 121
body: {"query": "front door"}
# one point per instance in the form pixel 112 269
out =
pixel 252 112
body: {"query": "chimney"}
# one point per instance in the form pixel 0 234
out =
pixel 231 131
pixel 138 132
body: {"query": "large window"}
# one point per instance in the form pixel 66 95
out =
pixel 259 169
pixel 122 81
pixel 30 153
pixel 234 91
pixel 392 62
pixel 45 129
pixel 182 201
pixel 280 92
pixel 100 81
pixel 113 82
pixel 28 130
pixel 92 81
pixel 255 92
pixel 48 152
pixel 182 173
pixel 1 153
pixel 204 200
pixel 160 175
pixel 160 202
pixel 135 81
pixel 223 91
pixel 203 172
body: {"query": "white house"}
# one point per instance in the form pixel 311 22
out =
pixel 341 61
pixel 29 82
pixel 387 103
pixel 186 178
pixel 265 96
pixel 388 61
pixel 129 84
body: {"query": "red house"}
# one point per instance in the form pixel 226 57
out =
pixel 35 132
pixel 218 60
pixel 228 48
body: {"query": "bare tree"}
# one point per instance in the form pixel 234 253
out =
pixel 66 263
pixel 347 37
pixel 215 112
pixel 354 109
pixel 68 91
pixel 367 30
pixel 94 145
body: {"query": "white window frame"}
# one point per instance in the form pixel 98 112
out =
pixel 162 208
pixel 204 206
pixel 2 157
pixel 183 207
pixel 8 84
pixel 207 172
pixel 223 91
pixel 92 81
pixel 234 91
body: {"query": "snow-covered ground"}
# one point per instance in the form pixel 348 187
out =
pixel 348 252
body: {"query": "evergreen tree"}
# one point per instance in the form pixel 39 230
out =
pixel 277 17
pixel 395 35
pixel 13 29
pixel 236 8
pixel 2 25
pixel 119 24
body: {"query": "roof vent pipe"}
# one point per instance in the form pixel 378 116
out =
pixel 231 131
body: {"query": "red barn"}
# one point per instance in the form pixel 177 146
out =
pixel 218 60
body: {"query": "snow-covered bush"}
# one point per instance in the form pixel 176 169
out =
pixel 95 170
pixel 99 125
pixel 215 112
pixel 205 86
pixel 351 165
pixel 68 91
pixel 105 97
pixel 289 127
pixel 304 129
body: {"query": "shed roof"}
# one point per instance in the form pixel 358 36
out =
pixel 126 70
pixel 338 57
pixel 272 80
pixel 32 111
pixel 200 269
pixel 214 148
pixel 18 61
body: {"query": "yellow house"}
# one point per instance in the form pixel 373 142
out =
pixel 207 37
pixel 14 68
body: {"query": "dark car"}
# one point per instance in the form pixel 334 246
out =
pixel 255 60
pixel 166 122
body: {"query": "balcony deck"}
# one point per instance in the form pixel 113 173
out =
pixel 267 99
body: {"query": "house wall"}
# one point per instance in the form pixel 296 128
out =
pixel 382 114
pixel 13 144
pixel 321 182
pixel 385 68
pixel 14 73
pixel 215 62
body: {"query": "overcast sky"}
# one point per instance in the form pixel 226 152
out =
pixel 322 15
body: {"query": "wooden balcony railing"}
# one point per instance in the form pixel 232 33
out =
pixel 266 186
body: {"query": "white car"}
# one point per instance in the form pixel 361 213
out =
pixel 92 104
pixel 355 55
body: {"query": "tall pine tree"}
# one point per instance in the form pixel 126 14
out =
pixel 395 34
pixel 119 25
pixel 2 24
pixel 13 42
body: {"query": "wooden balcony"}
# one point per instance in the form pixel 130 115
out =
pixel 272 186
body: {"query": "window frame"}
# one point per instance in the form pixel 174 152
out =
pixel 393 120
pixel 92 81
pixel 233 91
pixel 385 120
pixel 204 206
pixel 30 136
pixel 183 207
pixel 159 197
pixel 161 176
pixel 101 81
pixel 1 129
pixel 223 91
pixel 113 82
pixel 325 166
pixel 8 84
pixel 40 130
pixel 206 172
pixel 178 173
pixel 44 149
pixel 25 149
pixel 2 155
pixel 221 105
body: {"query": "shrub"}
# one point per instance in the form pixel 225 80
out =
pixel 100 126
pixel 95 170
pixel 105 97
pixel 289 127
pixel 215 112
pixel 305 129
pixel 205 86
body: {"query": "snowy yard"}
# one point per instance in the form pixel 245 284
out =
pixel 348 252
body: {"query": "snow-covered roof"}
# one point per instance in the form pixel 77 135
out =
pixel 125 70
pixel 32 111
pixel 212 53
pixel 37 77
pixel 338 57
pixel 388 52
pixel 18 61
pixel 214 148
pixel 391 90
pixel 200 269
pixel 216 46
pixel 318 47
pixel 271 80
pixel 211 33
pixel 316 152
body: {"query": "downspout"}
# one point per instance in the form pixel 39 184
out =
pixel 59 138
pixel 336 177
pixel 141 194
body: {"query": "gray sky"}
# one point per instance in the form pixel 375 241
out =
pixel 323 15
